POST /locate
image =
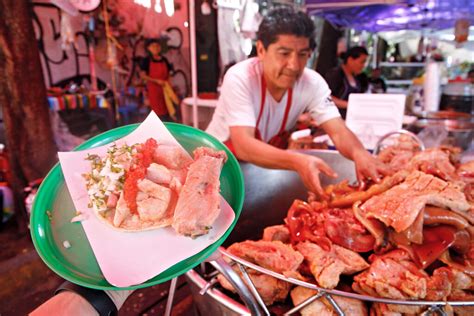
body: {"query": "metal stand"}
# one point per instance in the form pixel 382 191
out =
pixel 169 302
pixel 254 302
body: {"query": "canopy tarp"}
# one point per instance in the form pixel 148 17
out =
pixel 392 15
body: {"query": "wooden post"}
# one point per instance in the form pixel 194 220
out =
pixel 30 144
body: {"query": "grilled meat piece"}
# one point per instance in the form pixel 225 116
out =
pixel 272 255
pixel 400 206
pixel 172 157
pixel 277 233
pixel 327 266
pixel 434 161
pixel 271 290
pixel 198 204
pixel 350 307
pixel 394 275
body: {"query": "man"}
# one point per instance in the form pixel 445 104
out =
pixel 262 97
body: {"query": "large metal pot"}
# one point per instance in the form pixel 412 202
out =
pixel 268 196
pixel 458 96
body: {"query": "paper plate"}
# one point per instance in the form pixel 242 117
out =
pixel 53 209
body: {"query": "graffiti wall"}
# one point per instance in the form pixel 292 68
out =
pixel 72 46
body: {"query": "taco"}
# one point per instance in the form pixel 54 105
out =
pixel 135 188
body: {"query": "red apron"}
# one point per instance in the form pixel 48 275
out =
pixel 279 140
pixel 158 70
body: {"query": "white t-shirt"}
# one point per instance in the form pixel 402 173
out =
pixel 239 103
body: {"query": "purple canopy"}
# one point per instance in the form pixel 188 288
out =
pixel 392 15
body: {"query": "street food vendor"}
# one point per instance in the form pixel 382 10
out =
pixel 262 97
pixel 347 78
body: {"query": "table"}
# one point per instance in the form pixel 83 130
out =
pixel 206 109
pixel 81 112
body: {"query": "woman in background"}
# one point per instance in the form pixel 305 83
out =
pixel 347 78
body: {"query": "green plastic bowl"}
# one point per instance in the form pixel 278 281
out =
pixel 53 209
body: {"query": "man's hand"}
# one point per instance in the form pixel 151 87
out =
pixel 368 167
pixel 309 168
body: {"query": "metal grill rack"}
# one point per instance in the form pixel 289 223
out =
pixel 255 305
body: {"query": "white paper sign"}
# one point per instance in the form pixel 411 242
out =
pixel 371 116
pixel 130 258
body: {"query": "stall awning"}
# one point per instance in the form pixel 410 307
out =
pixel 392 15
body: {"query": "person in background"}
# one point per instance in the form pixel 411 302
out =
pixel 262 98
pixel 155 70
pixel 343 80
pixel 376 82
pixel 470 75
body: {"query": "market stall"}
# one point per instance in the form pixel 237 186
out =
pixel 401 245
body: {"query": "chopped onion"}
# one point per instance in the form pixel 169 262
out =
pixel 66 244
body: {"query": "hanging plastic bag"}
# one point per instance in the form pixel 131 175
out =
pixel 68 37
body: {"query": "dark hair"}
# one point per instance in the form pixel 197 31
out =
pixel 162 41
pixel 354 52
pixel 285 21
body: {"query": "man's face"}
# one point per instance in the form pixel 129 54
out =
pixel 284 60
pixel 357 65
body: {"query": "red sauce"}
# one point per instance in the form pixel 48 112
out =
pixel 137 172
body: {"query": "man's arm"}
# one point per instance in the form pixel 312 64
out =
pixel 350 147
pixel 340 103
pixel 250 149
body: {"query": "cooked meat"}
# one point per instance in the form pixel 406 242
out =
pixel 466 171
pixel 434 161
pixel 397 155
pixel 400 206
pixel 209 152
pixel 277 233
pixel 121 211
pixel 327 266
pixel 317 307
pixel 436 216
pixel 199 200
pixel 459 295
pixel 344 229
pixel 155 208
pixel 272 255
pixel 152 200
pixel 350 307
pixel 271 290
pixel 440 284
pixel 381 309
pixel 392 275
pixel 376 189
pixel 172 157
pixel 158 174
pixel 461 281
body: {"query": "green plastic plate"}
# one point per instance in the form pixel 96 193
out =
pixel 53 209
